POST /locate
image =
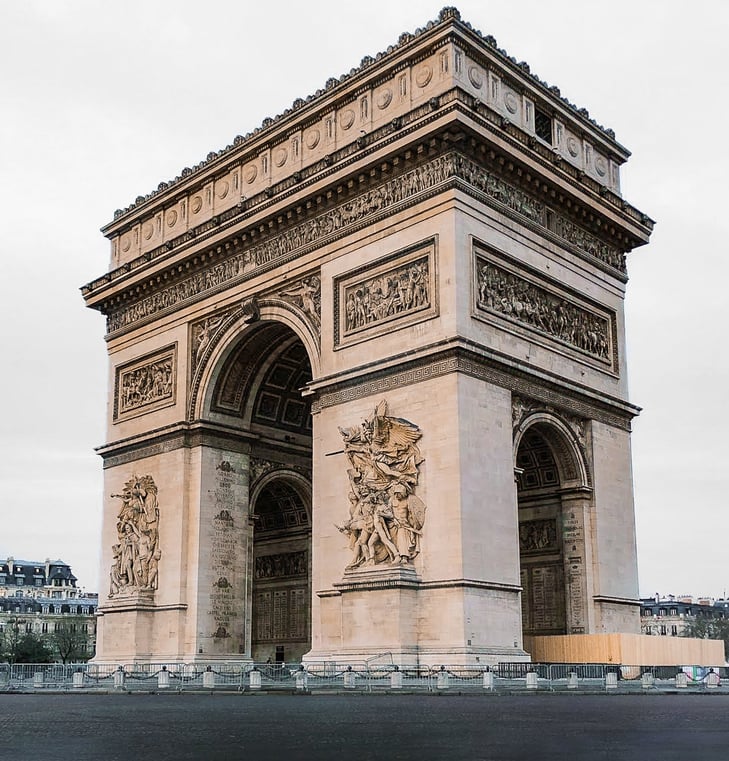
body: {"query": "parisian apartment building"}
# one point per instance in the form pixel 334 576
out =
pixel 37 596
pixel 670 615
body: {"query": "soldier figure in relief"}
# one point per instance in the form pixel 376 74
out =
pixel 386 517
pixel 136 554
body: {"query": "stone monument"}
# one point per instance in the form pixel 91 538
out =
pixel 368 392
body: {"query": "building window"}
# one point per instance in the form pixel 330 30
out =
pixel 543 125
pixel 662 612
pixel 647 612
pixel 44 627
pixel 674 631
pixel 674 611
pixel 663 629
pixel 39 582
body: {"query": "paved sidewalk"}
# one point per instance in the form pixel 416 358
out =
pixel 433 727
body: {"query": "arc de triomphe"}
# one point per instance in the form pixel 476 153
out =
pixel 368 377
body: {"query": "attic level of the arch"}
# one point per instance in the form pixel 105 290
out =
pixel 444 55
pixel 480 165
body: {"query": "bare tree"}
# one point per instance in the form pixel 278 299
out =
pixel 70 639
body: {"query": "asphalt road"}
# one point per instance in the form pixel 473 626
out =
pixel 199 727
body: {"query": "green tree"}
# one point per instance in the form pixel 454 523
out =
pixel 20 646
pixel 70 639
pixel 705 627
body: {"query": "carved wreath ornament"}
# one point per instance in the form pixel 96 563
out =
pixel 386 517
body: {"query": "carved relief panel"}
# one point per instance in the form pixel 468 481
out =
pixel 146 384
pixel 527 301
pixel 398 291
pixel 305 294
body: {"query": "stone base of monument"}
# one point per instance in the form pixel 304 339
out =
pixel 379 612
pixel 387 615
pixel 132 599
pixel 131 625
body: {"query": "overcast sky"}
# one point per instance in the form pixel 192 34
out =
pixel 101 101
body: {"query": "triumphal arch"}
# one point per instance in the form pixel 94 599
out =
pixel 368 380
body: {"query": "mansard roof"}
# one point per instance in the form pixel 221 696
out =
pixel 26 604
pixel 30 569
pixel 448 15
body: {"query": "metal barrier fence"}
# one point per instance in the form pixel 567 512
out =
pixel 362 677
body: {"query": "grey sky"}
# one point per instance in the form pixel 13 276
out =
pixel 102 101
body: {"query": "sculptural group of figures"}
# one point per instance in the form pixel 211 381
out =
pixel 146 384
pixel 386 518
pixel 137 553
pixel 398 291
pixel 503 292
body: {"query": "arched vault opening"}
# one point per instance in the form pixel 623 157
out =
pixel 552 480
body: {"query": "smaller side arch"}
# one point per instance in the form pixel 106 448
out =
pixel 297 481
pixel 569 453
pixel 280 612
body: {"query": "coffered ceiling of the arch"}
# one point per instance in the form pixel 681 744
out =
pixel 262 380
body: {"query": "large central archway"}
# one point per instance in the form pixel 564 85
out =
pixel 256 386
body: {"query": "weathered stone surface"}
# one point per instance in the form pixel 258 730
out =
pixel 372 360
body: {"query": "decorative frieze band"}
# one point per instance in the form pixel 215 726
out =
pixel 146 384
pixel 555 313
pixel 539 213
pixel 456 360
pixel 243 264
pixel 365 209
pixel 281 566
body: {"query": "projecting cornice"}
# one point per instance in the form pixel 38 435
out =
pixel 229 253
pixel 316 135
